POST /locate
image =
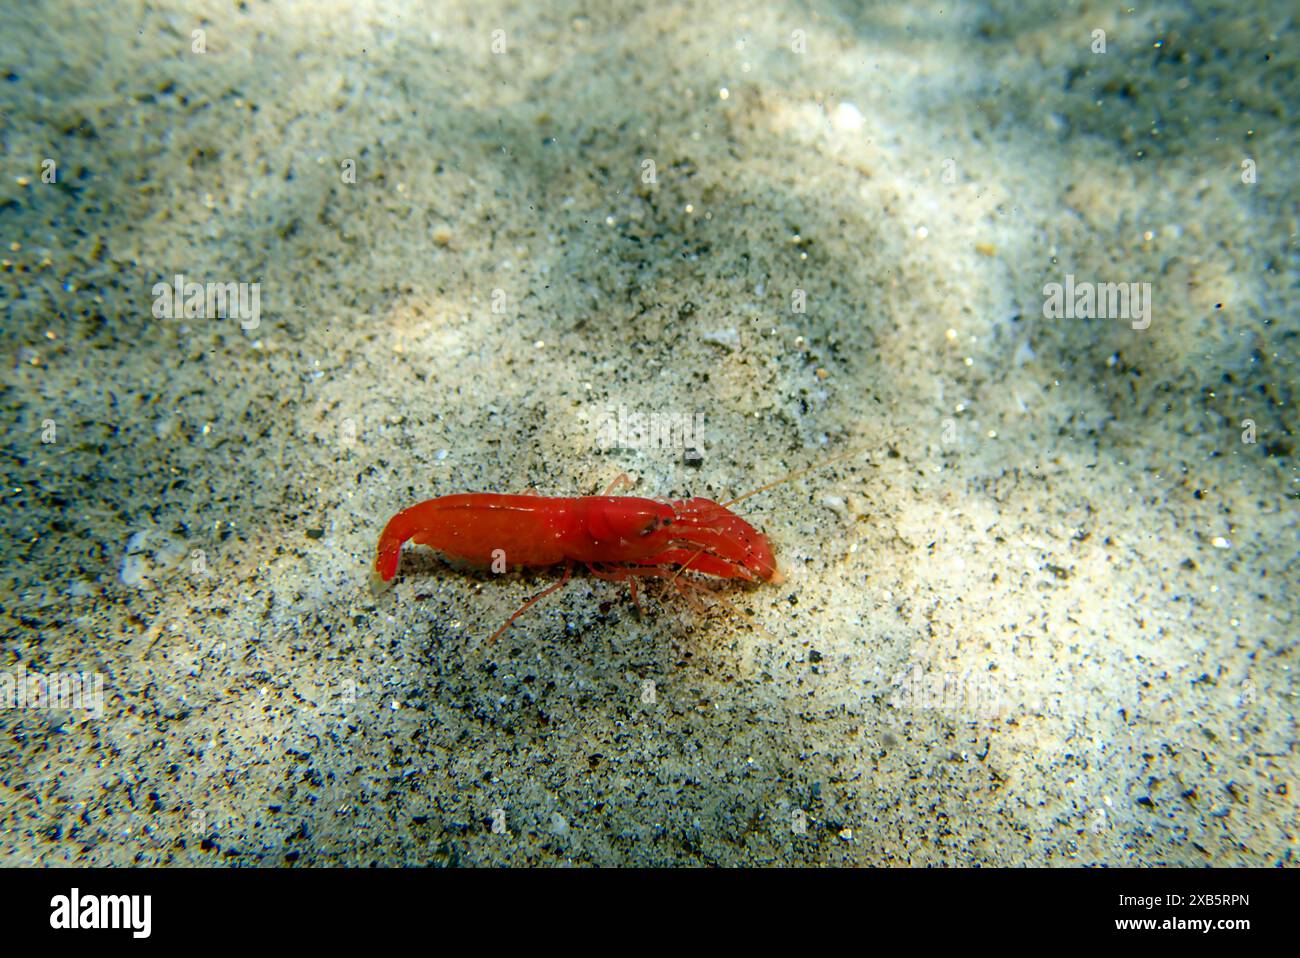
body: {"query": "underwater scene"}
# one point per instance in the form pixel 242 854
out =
pixel 774 433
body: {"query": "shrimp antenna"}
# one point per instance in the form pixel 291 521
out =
pixel 797 474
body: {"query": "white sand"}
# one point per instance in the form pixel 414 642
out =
pixel 1047 615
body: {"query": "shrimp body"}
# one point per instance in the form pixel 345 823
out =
pixel 537 531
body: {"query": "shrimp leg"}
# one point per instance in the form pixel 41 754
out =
pixel 623 575
pixel 568 567
pixel 621 481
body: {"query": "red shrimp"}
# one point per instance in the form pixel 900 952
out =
pixel 616 537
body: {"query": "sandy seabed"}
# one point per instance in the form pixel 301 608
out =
pixel 1043 612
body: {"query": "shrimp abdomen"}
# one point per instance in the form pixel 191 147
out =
pixel 479 528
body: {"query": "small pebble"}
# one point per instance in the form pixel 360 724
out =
pixel 133 570
pixel 836 504
pixel 848 118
